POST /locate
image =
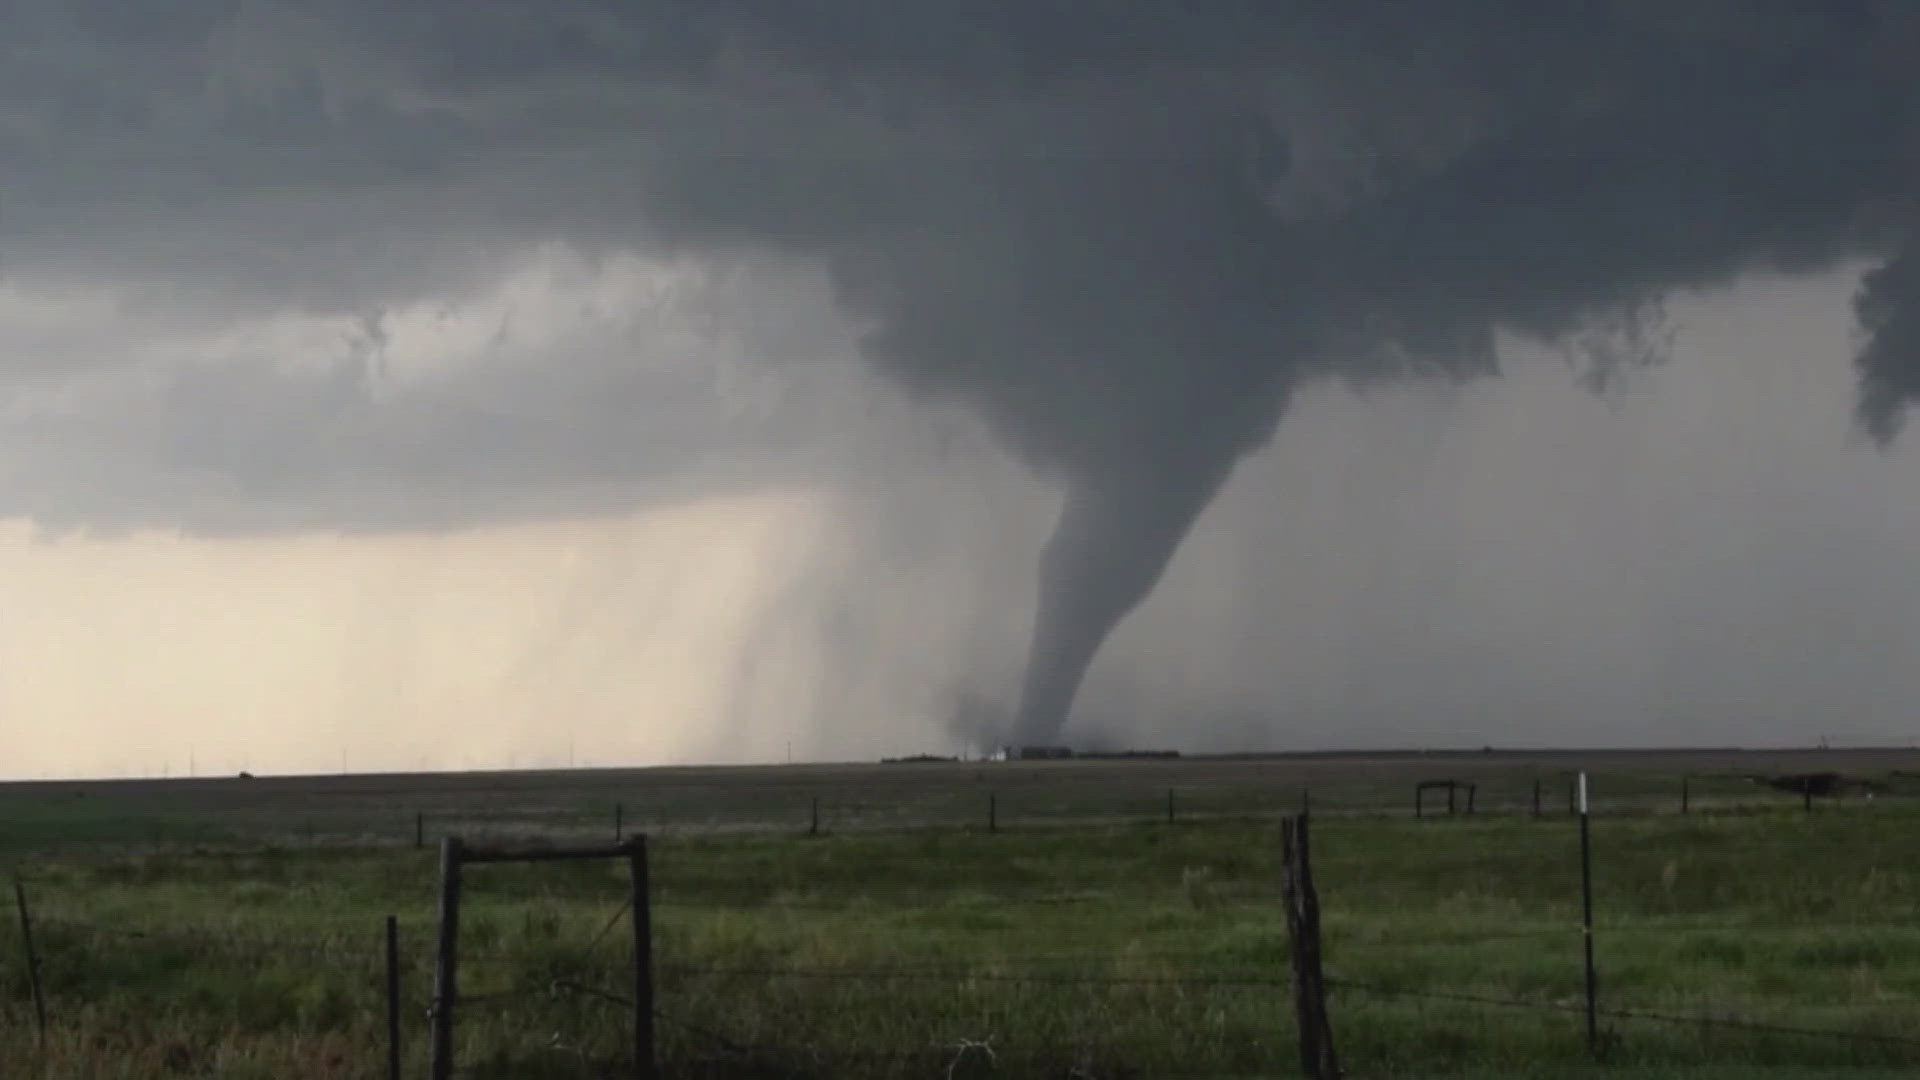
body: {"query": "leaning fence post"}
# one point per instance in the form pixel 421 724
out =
pixel 445 980
pixel 643 1049
pixel 393 998
pixel 33 960
pixel 1317 1059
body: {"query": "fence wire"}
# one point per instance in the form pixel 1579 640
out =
pixel 1607 1013
pixel 570 971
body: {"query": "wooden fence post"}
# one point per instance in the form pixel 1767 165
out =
pixel 993 812
pixel 446 960
pixel 1536 796
pixel 1317 1058
pixel 419 829
pixel 1683 794
pixel 33 960
pixel 641 905
pixel 1169 806
pixel 393 998
pixel 813 827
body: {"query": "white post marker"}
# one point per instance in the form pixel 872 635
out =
pixel 1586 918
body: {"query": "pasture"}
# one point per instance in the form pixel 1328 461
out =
pixel 233 928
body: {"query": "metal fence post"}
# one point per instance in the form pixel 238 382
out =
pixel 643 1048
pixel 33 960
pixel 393 998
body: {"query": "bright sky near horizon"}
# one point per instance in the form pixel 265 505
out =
pixel 1706 554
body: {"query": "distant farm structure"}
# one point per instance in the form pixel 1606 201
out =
pixel 1060 753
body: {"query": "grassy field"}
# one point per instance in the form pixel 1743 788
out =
pixel 233 927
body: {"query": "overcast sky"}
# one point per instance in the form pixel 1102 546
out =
pixel 474 384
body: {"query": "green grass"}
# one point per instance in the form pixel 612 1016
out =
pixel 1098 950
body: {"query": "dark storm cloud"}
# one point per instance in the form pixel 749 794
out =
pixel 1122 233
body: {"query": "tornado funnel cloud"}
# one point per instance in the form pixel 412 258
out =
pixel 1113 542
pixel 1122 234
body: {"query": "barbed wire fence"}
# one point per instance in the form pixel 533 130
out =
pixel 591 986
pixel 583 977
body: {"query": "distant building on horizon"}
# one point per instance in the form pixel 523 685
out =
pixel 1061 753
pixel 1034 753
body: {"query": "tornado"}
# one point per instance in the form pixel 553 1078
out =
pixel 1108 551
pixel 1115 234
pixel 1120 235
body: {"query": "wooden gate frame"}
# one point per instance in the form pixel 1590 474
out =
pixel 455 854
pixel 1450 786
